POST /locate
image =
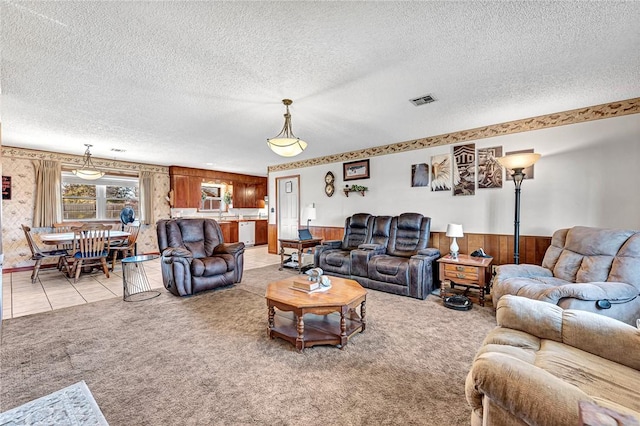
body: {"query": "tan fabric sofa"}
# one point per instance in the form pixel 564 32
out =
pixel 592 269
pixel 541 361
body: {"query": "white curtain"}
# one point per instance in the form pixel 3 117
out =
pixel 48 209
pixel 145 180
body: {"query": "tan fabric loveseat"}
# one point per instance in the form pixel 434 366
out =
pixel 541 361
pixel 592 269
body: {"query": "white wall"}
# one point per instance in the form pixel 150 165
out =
pixel 586 176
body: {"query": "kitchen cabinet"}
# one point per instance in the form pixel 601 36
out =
pixel 186 191
pixel 248 191
pixel 249 195
pixel 261 232
pixel 239 198
pixel 229 231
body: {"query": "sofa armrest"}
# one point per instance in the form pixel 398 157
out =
pixel 229 248
pixel 597 334
pixel 504 272
pixel 325 246
pixel 429 252
pixel 531 394
pixel 176 252
pixel 377 248
pixel 331 244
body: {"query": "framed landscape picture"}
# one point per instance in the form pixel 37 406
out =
pixel 354 170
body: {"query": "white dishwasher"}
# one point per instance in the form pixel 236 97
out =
pixel 247 233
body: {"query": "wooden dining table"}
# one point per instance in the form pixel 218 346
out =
pixel 61 238
pixel 67 237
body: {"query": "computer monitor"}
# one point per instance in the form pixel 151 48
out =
pixel 304 234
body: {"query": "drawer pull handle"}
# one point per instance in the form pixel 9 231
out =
pixel 459 268
pixel 460 275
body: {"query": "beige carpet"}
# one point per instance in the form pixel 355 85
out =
pixel 207 359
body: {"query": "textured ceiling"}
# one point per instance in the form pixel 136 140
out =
pixel 192 83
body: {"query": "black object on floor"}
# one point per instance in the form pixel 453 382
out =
pixel 458 302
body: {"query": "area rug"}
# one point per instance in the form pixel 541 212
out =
pixel 207 360
pixel 71 406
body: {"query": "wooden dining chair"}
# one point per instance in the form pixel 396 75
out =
pixel 91 243
pixel 126 247
pixel 39 255
pixel 63 228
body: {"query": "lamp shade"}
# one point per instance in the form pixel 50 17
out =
pixel 311 213
pixel 519 160
pixel 454 230
pixel 88 171
pixel 286 144
pixel 88 174
pixel 286 147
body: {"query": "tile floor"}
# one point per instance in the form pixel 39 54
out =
pixel 54 291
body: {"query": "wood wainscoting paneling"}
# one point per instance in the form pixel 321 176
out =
pixel 532 248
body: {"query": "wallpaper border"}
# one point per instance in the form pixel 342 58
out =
pixel 580 115
pixel 73 160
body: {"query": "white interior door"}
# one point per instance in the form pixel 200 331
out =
pixel 288 207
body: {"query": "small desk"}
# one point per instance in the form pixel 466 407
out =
pixel 299 245
pixel 134 280
pixel 466 270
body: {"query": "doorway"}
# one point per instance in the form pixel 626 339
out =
pixel 288 202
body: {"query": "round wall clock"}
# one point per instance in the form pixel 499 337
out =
pixel 329 190
pixel 328 180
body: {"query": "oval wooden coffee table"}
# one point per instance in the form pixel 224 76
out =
pixel 323 318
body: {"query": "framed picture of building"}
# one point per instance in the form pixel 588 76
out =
pixel 355 170
pixel 464 169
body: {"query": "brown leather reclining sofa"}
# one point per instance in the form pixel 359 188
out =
pixel 383 253
pixel 195 257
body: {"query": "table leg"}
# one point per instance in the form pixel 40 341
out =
pixel 443 284
pixel 272 313
pixel 300 339
pixel 281 257
pixel 300 258
pixel 343 328
pixel 481 295
pixel 363 313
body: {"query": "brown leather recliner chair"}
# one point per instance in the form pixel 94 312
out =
pixel 195 257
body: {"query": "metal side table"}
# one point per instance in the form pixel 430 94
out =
pixel 134 280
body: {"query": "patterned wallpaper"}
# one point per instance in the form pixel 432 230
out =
pixel 16 162
pixel 597 112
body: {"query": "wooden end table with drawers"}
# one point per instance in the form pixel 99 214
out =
pixel 467 271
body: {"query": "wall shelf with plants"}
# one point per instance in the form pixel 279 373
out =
pixel 355 188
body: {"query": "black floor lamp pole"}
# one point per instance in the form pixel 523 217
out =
pixel 518 176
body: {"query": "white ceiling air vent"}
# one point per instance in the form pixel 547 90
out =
pixel 426 99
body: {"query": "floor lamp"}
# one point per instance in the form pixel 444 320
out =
pixel 517 163
pixel 311 213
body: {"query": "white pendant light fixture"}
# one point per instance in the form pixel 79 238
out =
pixel 88 171
pixel 286 144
